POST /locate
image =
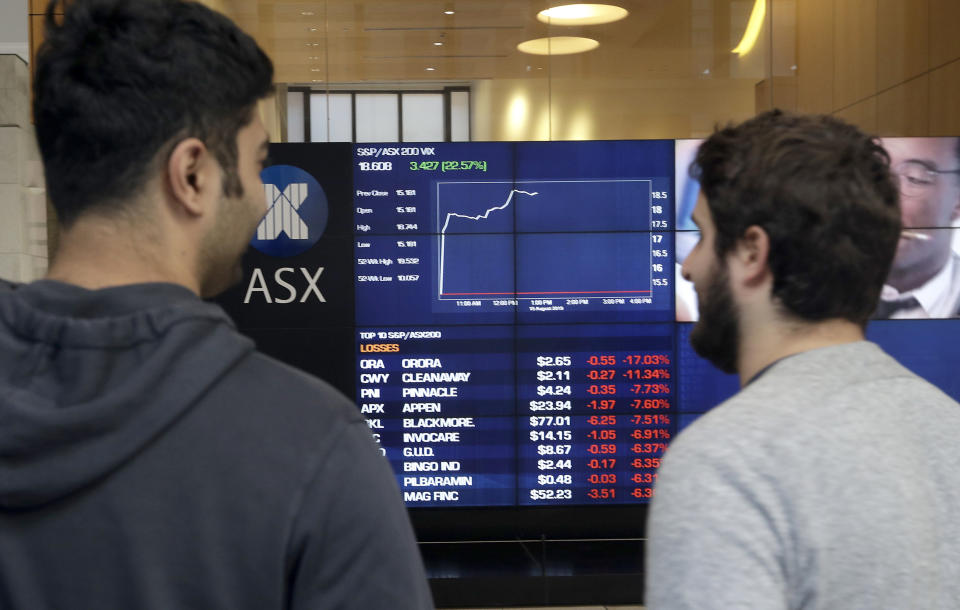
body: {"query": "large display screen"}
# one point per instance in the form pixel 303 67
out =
pixel 509 317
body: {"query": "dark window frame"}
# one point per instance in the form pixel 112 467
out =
pixel 445 93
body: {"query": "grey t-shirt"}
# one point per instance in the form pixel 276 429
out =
pixel 832 481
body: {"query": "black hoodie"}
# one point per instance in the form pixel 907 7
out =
pixel 151 458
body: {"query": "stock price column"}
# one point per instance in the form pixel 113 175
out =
pixel 599 413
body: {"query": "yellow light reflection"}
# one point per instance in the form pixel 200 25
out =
pixel 582 14
pixel 581 126
pixel 517 115
pixel 753 28
pixel 541 128
pixel 558 45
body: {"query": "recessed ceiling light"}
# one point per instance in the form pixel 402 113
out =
pixel 430 69
pixel 318 80
pixel 314 69
pixel 313 44
pixel 307 13
pixel 448 12
pixel 558 45
pixel 438 44
pixel 582 14
pixel 314 57
pixel 313 29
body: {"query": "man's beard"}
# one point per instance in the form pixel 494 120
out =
pixel 716 336
pixel 222 249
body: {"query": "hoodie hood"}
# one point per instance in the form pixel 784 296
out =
pixel 88 378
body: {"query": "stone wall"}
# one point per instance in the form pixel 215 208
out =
pixel 23 210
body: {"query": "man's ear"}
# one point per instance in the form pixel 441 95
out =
pixel 752 254
pixel 191 172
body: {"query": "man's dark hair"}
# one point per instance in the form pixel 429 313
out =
pixel 118 80
pixel 823 192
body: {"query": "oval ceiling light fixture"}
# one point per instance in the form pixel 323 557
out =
pixel 582 14
pixel 558 45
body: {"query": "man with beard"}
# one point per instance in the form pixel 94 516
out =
pixel 831 480
pixel 150 457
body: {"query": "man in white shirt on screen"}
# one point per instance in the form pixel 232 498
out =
pixel 925 279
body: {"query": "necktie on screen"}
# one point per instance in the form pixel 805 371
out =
pixel 886 309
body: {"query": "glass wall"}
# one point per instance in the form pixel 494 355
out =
pixel 669 69
pixel 372 115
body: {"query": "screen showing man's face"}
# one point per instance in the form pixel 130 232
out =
pixel 930 202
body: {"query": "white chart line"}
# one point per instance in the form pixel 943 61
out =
pixel 441 235
pixel 484 216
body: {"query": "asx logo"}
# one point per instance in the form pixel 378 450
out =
pixel 282 216
pixel 297 212
pixel 295 220
pixel 287 285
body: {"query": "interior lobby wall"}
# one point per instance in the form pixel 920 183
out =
pixel 13 30
pixel 605 109
pixel 23 227
pixel 671 75
pixel 890 66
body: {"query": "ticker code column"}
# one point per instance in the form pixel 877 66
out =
pixel 439 402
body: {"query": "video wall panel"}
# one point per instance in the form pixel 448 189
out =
pixel 511 317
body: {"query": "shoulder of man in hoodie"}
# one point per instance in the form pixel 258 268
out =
pixel 269 417
pixel 286 386
pixel 264 388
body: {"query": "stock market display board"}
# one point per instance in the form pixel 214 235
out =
pixel 507 315
pixel 526 355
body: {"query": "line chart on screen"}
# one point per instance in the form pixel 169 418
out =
pixel 547 239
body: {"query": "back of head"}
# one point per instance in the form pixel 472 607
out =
pixel 118 81
pixel 823 192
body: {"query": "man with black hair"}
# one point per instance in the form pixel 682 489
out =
pixel 831 480
pixel 150 457
pixel 925 279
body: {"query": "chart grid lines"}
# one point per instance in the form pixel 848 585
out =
pixel 443 223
